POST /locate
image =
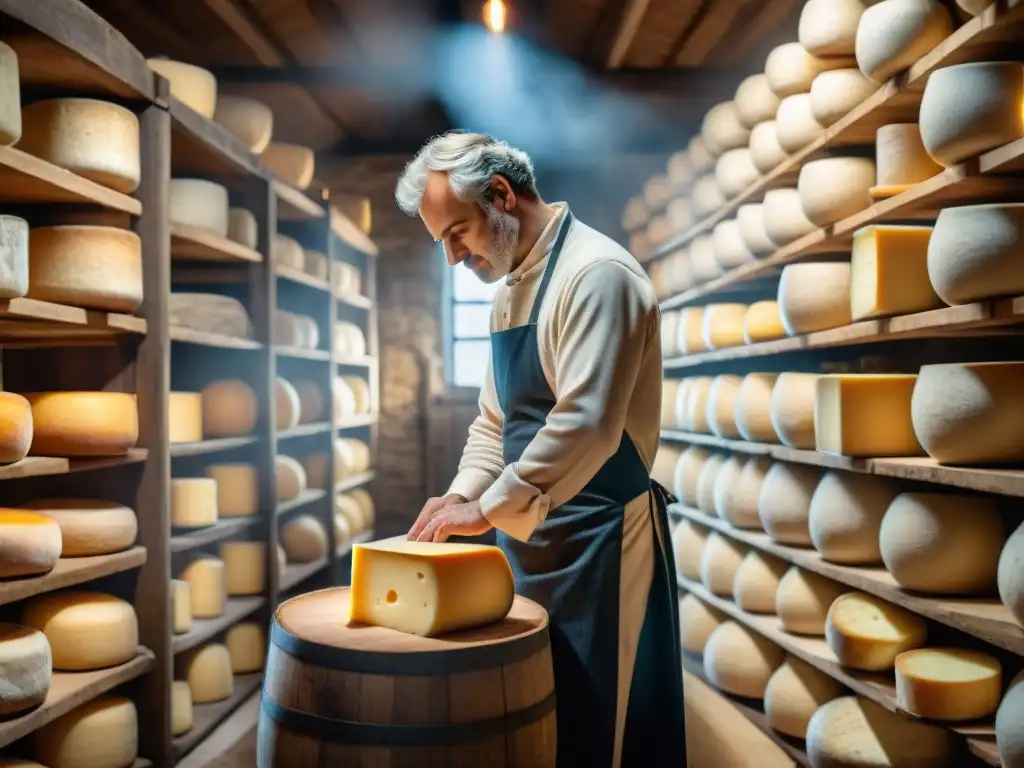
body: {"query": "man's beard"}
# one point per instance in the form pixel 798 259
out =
pixel 504 240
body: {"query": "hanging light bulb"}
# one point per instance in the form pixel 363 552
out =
pixel 495 16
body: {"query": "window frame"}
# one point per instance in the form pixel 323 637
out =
pixel 448 305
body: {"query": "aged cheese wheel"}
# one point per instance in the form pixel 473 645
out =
pixel 699 154
pixel 292 164
pixel 856 733
pixel 837 92
pixel 785 501
pixel 14 246
pixel 735 171
pixel 753 412
pixel 10 101
pixel 690 337
pixel 755 102
pixel 26 668
pixel 688 542
pixel 669 336
pixel 791 69
pixel 793 409
pixel 1009 735
pixel 244 564
pixel 725 484
pixel 248 120
pixel 210 313
pixel 83 423
pixel 658 230
pixel 349 510
pixel 719 563
pixel 641 248
pixel 679 215
pixel 304 539
pixel 635 214
pixel 742 511
pixel 287 405
pixel 657 192
pixel 365 501
pixel 677 274
pixel 763 322
pixel 181 708
pixel 829 27
pixel 242 227
pixel 765 150
pixel 889 272
pixel 102 733
pixel 894 34
pixel 687 474
pixel 846 515
pixel 282 559
pixel 795 126
pixel 208 586
pixel 942 543
pixel 752 229
pixel 16 427
pixel 291 478
pixel 247 646
pixel 867 633
pixel 193 86
pixel 948 683
pixel 286 252
pixel 740 662
pixel 865 415
pixel 757 581
pixel 784 218
pixel 723 325
pixel 697 622
pixel 312 406
pixel 707 197
pixel 316 264
pixel 343 399
pixel 679 171
pixel 1011 574
pixel 815 296
pixel 722 129
pixel 315 467
pixel 86 630
pixel 208 671
pixel 200 203
pixel 361 392
pixel 706 483
pixel 351 457
pixel 900 159
pixel 702 259
pixel 663 469
pixel 238 489
pixel 721 412
pixel 794 694
pixel 95 139
pixel 802 601
pixel 346 279
pixel 730 250
pixel 835 187
pixel 230 408
pixel 669 395
pixel 89 527
pixel 185 417
pixel 349 340
pixel 181 606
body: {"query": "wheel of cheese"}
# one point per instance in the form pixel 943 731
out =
pixel 659 281
pixel 722 129
pixel 95 139
pixel 1011 574
pixel 244 565
pixel 793 409
pixel 894 34
pixel 697 397
pixel 679 171
pixel 757 581
pixel 802 601
pixel 247 646
pixel 86 630
pixel 635 214
pixel 291 478
pixel 900 159
pixel 304 539
pixel 974 7
pixel 81 424
pixel 735 171
pixel 867 633
pixel 815 296
pixel 365 501
pixel 836 92
pixel 726 479
pixel 286 404
pixel 699 154
pixel 730 250
pixel 670 389
pixel 752 229
pixel 719 563
pixel 290 163
pixel 242 227
pixel 182 719
pixel 208 586
pixel 343 399
pixel 351 456
pixel 193 86
pixel 640 246
pixel 702 259
pixel 795 126
pixel 230 409
pixel 10 102
pixel 785 501
pixel 707 197
pixel 664 467
pixel 743 510
pixel 697 622
pixel 679 215
pixel 360 391
pixel 347 280
pixel 25 668
pixel 846 515
pixel 794 694
pixel 1009 735
pixel 200 203
pixel 185 417
pixel 348 510
pixel 102 733
pixel 948 683
pixel 342 531
pixel 790 69
pixel 315 467
pixel 706 483
pixel 755 102
pixel 740 662
pixel 829 27
pixel 211 313
pixel 690 335
pixel 14 247
pixel 688 542
pixel 181 606
pixel 237 489
pixel 658 231
pixel 316 264
pixel 723 325
pixel 763 322
pixel 286 331
pixel 687 474
pixel 349 340
pixel 286 252
pixel 721 412
pixel 89 527
pixel 248 120
pixel 835 187
pixel 856 733
pixel 753 412
pixel 16 427
pixel 657 192
pixel 208 671
pixel 669 335
pixel 765 150
pixel 784 218
pixel 311 402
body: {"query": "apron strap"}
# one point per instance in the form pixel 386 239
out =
pixel 549 270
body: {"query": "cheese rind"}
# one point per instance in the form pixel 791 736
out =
pixel 815 296
pixel 79 424
pixel 765 150
pixel 719 563
pixel 755 102
pixel 237 489
pixel 894 34
pixel 89 527
pixel 695 405
pixel 795 126
pixel 794 694
pixel 304 539
pixel 726 481
pixel 419 587
pixel 889 272
pixel 829 27
pixel 688 542
pixel 687 474
pixel 836 92
pixel 200 203
pixel 248 120
pixel 86 630
pixel 291 163
pixel 785 500
pixel 900 159
pixel 247 646
pixel 26 668
pixel 784 219
pixel 181 606
pixel 184 417
pixel 740 662
pixel 706 484
pixel 723 325
pixel 14 246
pixel 763 322
pixel 103 733
pixel 193 86
pixel 791 69
pixel 286 405
pixel 803 600
pixel 833 188
pixel 30 543
pixel 707 197
pixel 245 566
pixel 730 250
pixel 657 192
pixel 193 502
pixel 697 622
pixel 865 415
pixel 754 407
pixel 721 410
pixel 230 408
pixel 210 313
pixel 208 671
pixel 734 172
pixel 722 129
pixel 242 227
pixel 752 229
pixel 740 507
pixel 757 582
pixel 1009 737
pixel 793 409
pixel 181 708
pixel 846 515
pixel 948 683
pixel 291 478
pixel 867 633
pixel 208 587
pixel 1011 574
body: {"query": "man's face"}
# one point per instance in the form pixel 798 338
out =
pixel 484 239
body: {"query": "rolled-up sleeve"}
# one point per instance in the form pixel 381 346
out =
pixel 482 460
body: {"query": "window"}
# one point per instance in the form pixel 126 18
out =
pixel 467 325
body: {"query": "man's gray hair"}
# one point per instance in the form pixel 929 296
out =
pixel 471 160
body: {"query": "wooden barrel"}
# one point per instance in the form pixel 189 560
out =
pixel 361 696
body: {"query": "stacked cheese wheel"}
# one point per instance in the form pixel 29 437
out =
pixel 294 330
pixel 349 340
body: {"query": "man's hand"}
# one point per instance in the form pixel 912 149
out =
pixel 453 520
pixel 433 506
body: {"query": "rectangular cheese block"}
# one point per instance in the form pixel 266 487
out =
pixel 428 589
pixel 890 272
pixel 865 414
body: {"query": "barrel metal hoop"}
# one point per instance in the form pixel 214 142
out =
pixel 433 663
pixel 374 734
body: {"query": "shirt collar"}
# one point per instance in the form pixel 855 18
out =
pixel 542 248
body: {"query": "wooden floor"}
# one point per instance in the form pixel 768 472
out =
pixel 242 755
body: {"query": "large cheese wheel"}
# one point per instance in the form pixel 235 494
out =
pixel 815 296
pixel 740 662
pixel 247 646
pixel 343 399
pixel 784 503
pixel 208 671
pixel 791 69
pixel 865 414
pixel 182 715
pixel 635 214
pixel 30 543
pixel 829 27
pixel 181 606
pixel 102 733
pixel 248 120
pixel 690 334
pixel 286 404
pixel 200 203
pixel 856 733
pixel 244 563
pixel 784 218
pixel 208 590
pixel 846 515
pixel 286 252
pixel 793 409
pixel 894 34
pixel 193 502
pixel 1011 574
pixel 723 325
pixel 696 406
pixel 238 489
pixel 664 467
pixel 315 467
pixel 719 563
pixel 361 392
pixel 14 247
pixel 707 197
pixel 889 272
pixel 900 159
pixel 688 542
pixel 703 263
pixel 948 683
pixel 753 411
pixel 697 622
pixel 687 474
pixel 316 264
pixel 242 227
pixel 79 424
pixel 835 187
pixel 669 334
pixel 867 633
pixel 304 539
pixel 95 139
pixel 282 560
pixel 726 481
pixel 802 601
pixel 706 483
pixel 349 340
pixel 342 529
pixel 657 192
pixel 752 229
pixel 670 394
pixel 740 500
pixel 230 408
pixel 722 129
pixel 365 501
pixel 679 171
pixel 184 417
pixel 755 102
pixel 699 153
pixel 89 527
pixel 10 101
pixel 765 150
pixel 763 322
pixel 26 668
pixel 210 313
pixel 942 543
pixel 658 231
pixel 291 330
pixel 836 92
pixel 721 411
pixel 291 163
pixel 735 171
pixel 193 86
pixel 795 126
pixel 86 630
pixel 730 250
pixel 757 581
pixel 794 694
pixel 346 279
pixel 290 477
pixel 351 456
pixel 1009 735
pixel 679 215
pixel 312 406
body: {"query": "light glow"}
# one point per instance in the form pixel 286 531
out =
pixel 495 16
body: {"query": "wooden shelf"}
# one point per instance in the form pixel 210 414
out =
pixel 355 422
pixel 206 717
pixel 204 630
pixel 206 339
pixel 302 278
pixel 303 354
pixel 296 573
pixel 69 572
pixel 34 323
pixel 211 446
pixel 362 361
pixel 305 430
pixel 69 690
pixel 359 302
pixel 40 466
pixel 308 496
pixel 225 528
pixel 295 205
pixel 350 234
pixel 356 481
pixel 204 147
pixel 195 244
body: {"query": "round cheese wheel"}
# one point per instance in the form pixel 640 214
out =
pixel 89 527
pixel 802 601
pixel 360 392
pixel 784 218
pixel 208 671
pixel 248 120
pixel 699 154
pixel 1011 574
pixel 765 150
pixel 81 424
pixel 286 252
pixel 726 479
pixel 290 163
pixel 304 539
pixel 697 622
pixel 102 733
pixel 658 231
pixel 348 510
pixel 208 586
pixel 829 27
pixel 290 477
pixel 26 668
pixel 244 566
pixel 719 563
pixel 634 215
pixel 755 102
pixel 857 733
pixel 794 694
pixel 238 489
pixel 867 633
pixel 815 296
pixel 346 278
pixel 740 662
pixel 723 325
pixel 365 501
pixel 193 502
pixel 349 340
pixel 182 716
pixel 669 395
pixel 230 409
pixel 722 129
pixel 690 334
pixel 193 86
pixel 836 92
pixel 200 203
pixel 722 405
pixel 641 248
pixel 286 404
pixel 342 531
pixel 1009 735
pixel 757 581
pixel 753 412
pixel 795 126
pixel 702 259
pixel 242 227
pixel 696 404
pixel 835 187
pixel 315 467
pixel 900 160
pixel 351 456
pixel 740 507
pixel 706 483
pixel 30 543
pixel 14 248
pixel 687 474
pixel 669 335
pixel 793 409
pixel 791 69
pixel 307 331
pixel 948 683
pixel 894 34
pixel 730 250
pixel 752 229
pixel 210 313
pixel 707 197
pixel 680 215
pixel 785 500
pixel 10 102
pixel 181 606
pixel 311 402
pixel 86 630
pixel 679 170
pixel 664 467
pixel 688 542
pixel 185 417
pixel 657 192
pixel 96 140
pixel 942 543
pixel 735 171
pixel 247 646
pixel 763 322
pixel 846 516
pixel 316 264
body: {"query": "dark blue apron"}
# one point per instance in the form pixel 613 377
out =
pixel 571 566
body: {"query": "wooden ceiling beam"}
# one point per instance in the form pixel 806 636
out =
pixel 238 21
pixel 629 26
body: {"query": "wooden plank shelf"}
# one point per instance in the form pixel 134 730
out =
pixel 206 717
pixel 353 482
pixel 358 302
pixel 308 496
pixel 296 573
pixel 206 339
pixel 305 430
pixel 211 446
pixel 204 630
pixel 40 466
pixel 301 278
pixel 195 244
pixel 70 572
pixel 69 690
pixel 200 146
pixel 351 235
pixel 322 355
pixel 353 361
pixel 30 322
pixel 294 204
pixel 983 617
pixel 355 422
pixel 223 529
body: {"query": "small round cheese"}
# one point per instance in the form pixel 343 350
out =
pixel 829 27
pixel 1009 735
pixel 757 581
pixel 948 683
pixel 795 126
pixel 208 671
pixel 679 170
pixel 752 229
pixel 664 467
pixel 10 101
pixel 763 322
pixel 208 586
pixel 754 405
pixel 193 502
pixel 291 478
pixel 707 197
pixel 201 204
pixel 25 668
pixel 79 424
pixel 290 163
pixel 835 187
pixel 735 171
pixel 785 500
pixel 286 252
pixel 658 231
pixel 316 264
pixel 688 542
pixel 867 633
pixel 244 564
pixel 86 630
pixel 815 296
pixel 721 410
pixel 193 86
pixel 349 340
pixel 722 129
pixel 740 662
pixel 793 409
pixel 365 501
pixel 706 483
pixel 755 102
pixel 248 120
pixel 765 150
pixel 635 214
pixel 802 601
pixel 657 192
pixel 360 392
pixel 181 708
pixel 697 622
pixel 726 479
pixel 698 394
pixel 348 511
pixel 680 215
pixel 238 489
pixel 723 325
pixel 1011 574
pixel 304 539
pixel 102 733
pixel 794 694
pixel 703 263
pixel 242 227
pixel 286 405
pixel 89 527
pixel 894 34
pixel 791 69
pixel 719 563
pixel 900 159
pixel 30 543
pixel 740 510
pixel 690 336
pixel 247 646
pixel 846 515
pixel 181 606
pixel 784 218
pixel 687 474
pixel 14 247
pixel 185 417
pixel 669 336
pixel 230 408
pixel 700 155
pixel 836 92
pixel 730 250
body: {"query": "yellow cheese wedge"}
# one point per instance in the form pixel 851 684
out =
pixel 230 409
pixel 102 732
pixel 889 267
pixel 794 694
pixel 740 662
pixel 16 427
pixel 86 630
pixel 763 322
pixel 757 581
pixel 304 539
pixel 697 622
pixel 865 415
pixel 25 668
pixel 30 543
pixel 79 424
pixel 846 514
pixel 287 405
pixel 89 527
pixel 184 417
pixel 247 646
pixel 245 566
pixel 948 683
pixel 181 708
pixel 208 590
pixel 208 671
pixel 237 489
pixel 867 633
pixel 784 503
pixel 802 601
